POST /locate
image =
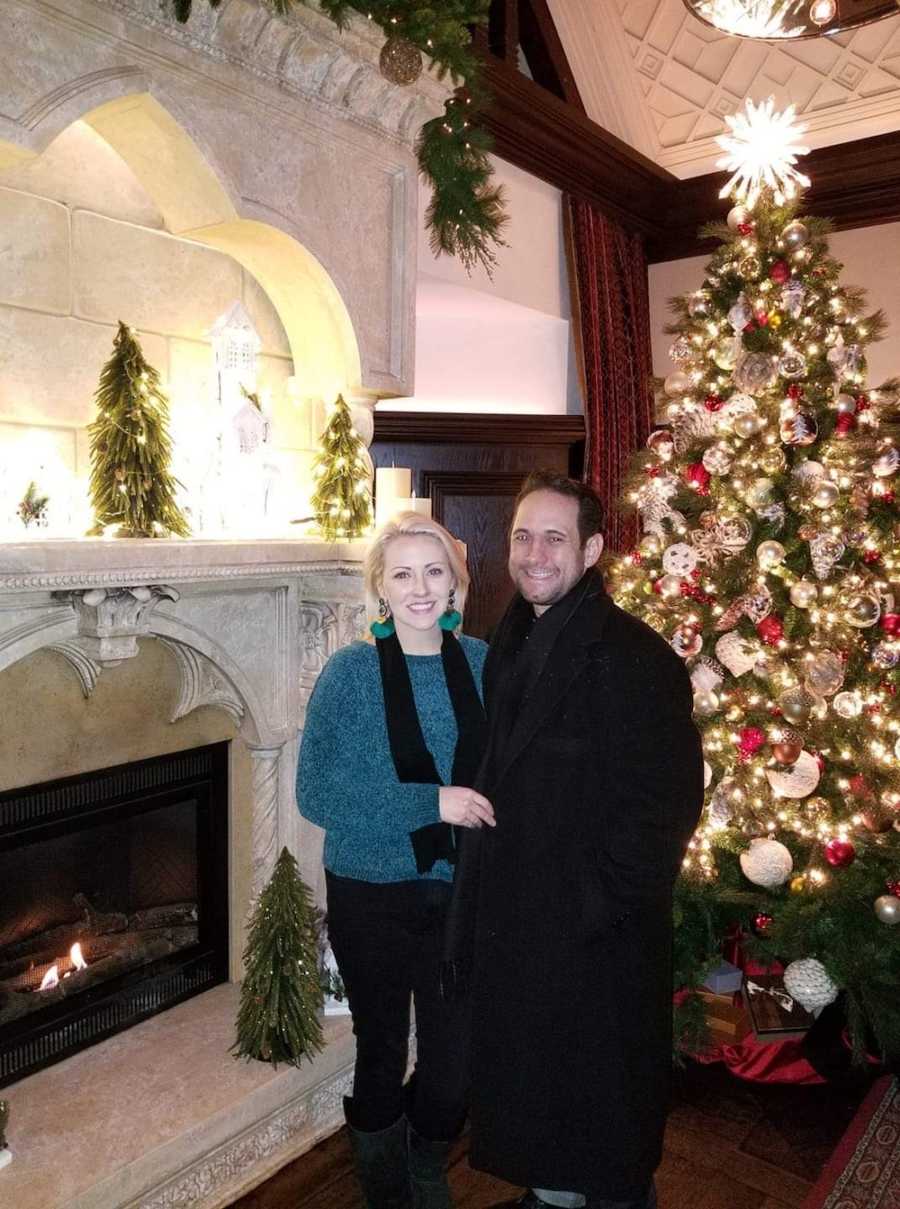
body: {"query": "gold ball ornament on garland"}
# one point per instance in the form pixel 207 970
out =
pixel 887 908
pixel 804 593
pixel 400 61
pixel 769 554
pixel 750 268
pixel 766 863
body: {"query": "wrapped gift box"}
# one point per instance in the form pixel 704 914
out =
pixel 725 979
pixel 726 1018
pixel 774 1014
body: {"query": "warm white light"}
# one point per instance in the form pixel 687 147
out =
pixel 762 149
pixel 821 11
pixel 752 18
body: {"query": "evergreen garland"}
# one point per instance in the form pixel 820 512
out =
pixel 130 483
pixel 342 500
pixel 281 995
pixel 467 213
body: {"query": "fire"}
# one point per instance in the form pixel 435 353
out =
pixel 51 978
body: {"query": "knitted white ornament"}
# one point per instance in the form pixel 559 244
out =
pixel 766 863
pixel 807 982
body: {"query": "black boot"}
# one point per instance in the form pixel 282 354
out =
pixel 381 1164
pixel 428 1172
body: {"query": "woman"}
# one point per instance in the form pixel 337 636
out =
pixel 394 735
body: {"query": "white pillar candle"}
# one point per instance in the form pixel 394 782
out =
pixel 421 505
pixel 391 483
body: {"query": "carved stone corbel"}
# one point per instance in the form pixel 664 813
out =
pixel 110 620
pixel 201 683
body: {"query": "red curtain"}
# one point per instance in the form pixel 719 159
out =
pixel 611 322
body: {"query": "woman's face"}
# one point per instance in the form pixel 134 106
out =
pixel 417 582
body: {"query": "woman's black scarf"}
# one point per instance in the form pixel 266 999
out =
pixel 412 759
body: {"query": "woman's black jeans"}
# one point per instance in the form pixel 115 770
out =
pixel 387 940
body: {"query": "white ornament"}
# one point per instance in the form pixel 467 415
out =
pixel 825 550
pixel 797 780
pixel 808 471
pixel 680 559
pixel 848 704
pixel 721 806
pixel 737 653
pixel 706 676
pixel 887 462
pixel 762 149
pixel 766 863
pixel 707 775
pixel 807 982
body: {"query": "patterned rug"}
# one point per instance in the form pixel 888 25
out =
pixel 864 1171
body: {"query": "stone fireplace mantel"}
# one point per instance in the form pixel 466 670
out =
pixel 251 625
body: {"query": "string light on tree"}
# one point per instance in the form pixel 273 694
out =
pixel 342 499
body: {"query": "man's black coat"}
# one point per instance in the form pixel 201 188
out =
pixel 597 785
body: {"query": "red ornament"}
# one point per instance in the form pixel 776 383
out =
pixel 636 558
pixel 780 272
pixel 749 327
pixel 845 424
pixel 745 228
pixel 761 318
pixel 762 921
pixel 795 391
pixel 859 787
pixel 871 556
pixel 863 403
pixel 890 623
pixel 887 497
pixel 657 585
pixel 840 853
pixel 771 629
pixel 750 741
pixel 697 476
pixel 893 887
pixel 713 402
pixel 652 470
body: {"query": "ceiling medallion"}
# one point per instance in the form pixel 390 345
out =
pixel 776 19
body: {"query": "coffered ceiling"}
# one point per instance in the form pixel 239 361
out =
pixel 660 80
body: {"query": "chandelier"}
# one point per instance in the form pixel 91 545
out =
pixel 776 19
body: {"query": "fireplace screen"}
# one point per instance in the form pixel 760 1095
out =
pixel 114 901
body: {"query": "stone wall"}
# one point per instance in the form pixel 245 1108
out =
pixel 83 246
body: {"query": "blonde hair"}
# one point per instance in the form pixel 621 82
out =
pixel 413 524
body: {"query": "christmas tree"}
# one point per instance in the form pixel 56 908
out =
pixel 342 500
pixel 281 994
pixel 131 485
pixel 770 560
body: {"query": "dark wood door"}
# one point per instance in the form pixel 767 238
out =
pixel 472 467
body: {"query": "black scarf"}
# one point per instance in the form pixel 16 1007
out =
pixel 412 759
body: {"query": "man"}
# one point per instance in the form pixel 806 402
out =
pixel 594 769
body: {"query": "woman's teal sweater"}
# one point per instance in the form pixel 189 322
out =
pixel 346 780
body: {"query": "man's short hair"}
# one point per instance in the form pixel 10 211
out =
pixel 590 506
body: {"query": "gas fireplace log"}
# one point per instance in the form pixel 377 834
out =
pixel 13 1006
pixel 131 946
pixel 170 916
pixel 98 922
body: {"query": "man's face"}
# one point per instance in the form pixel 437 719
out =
pixel 546 557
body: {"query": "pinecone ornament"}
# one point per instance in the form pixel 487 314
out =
pixel 807 982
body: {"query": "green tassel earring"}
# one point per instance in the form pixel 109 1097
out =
pixel 451 617
pixel 383 627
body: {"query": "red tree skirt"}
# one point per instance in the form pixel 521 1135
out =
pixel 864 1171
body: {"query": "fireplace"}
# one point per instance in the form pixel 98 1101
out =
pixel 114 903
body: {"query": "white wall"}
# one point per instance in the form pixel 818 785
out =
pixel 870 256
pixel 500 343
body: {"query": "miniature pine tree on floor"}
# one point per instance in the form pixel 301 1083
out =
pixel 342 500
pixel 281 994
pixel 131 451
pixel 770 560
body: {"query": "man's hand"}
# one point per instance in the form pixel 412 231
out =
pixel 464 807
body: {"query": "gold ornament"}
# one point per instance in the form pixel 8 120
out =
pixel 798 883
pixel 749 267
pixel 772 460
pixel 400 61
pixel 775 320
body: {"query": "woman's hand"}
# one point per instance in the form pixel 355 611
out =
pixel 464 807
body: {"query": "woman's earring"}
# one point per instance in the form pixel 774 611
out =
pixel 450 619
pixel 384 626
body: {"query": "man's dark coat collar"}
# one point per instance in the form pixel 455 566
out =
pixel 573 625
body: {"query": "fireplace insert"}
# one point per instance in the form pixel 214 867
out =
pixel 113 901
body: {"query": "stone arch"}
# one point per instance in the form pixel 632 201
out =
pixel 198 202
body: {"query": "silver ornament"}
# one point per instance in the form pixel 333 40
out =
pixel 808 471
pixel 681 351
pixel 726 352
pixel 792 364
pixel 755 373
pixel 721 808
pixel 887 908
pixel 677 383
pixel 803 593
pixel 766 863
pixel 686 641
pixel 808 982
pixel 669 586
pixel 845 404
pixel 824 673
pixel 662 443
pixel 886 462
pixel 747 424
pixel 759 492
pixel 698 305
pixel 862 610
pixel 706 702
pixel 886 655
pixel 737 216
pixel 825 550
pixel 796 705
pixel 793 295
pixel 718 459
pixel 837 356
pixel 848 704
pixel 769 554
pixel 795 236
pixel 853 359
pixel 826 494
pixel 740 314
